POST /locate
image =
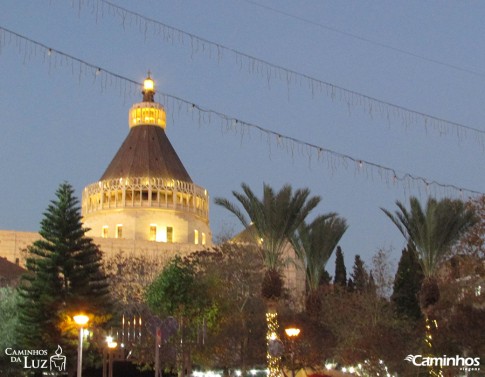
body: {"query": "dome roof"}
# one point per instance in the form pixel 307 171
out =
pixel 146 152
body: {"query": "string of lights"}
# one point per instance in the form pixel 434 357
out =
pixel 368 40
pixel 334 160
pixel 269 71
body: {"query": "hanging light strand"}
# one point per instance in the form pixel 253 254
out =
pixel 292 146
pixel 269 71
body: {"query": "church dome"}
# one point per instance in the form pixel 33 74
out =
pixel 146 152
pixel 146 192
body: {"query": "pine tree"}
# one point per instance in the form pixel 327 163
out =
pixel 360 276
pixel 407 283
pixel 64 277
pixel 340 278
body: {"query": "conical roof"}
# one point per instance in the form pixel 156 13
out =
pixel 146 152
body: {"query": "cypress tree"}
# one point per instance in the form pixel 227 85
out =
pixel 350 285
pixel 64 278
pixel 360 276
pixel 340 278
pixel 407 284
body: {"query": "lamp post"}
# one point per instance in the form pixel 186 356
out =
pixel 111 346
pixel 292 333
pixel 81 320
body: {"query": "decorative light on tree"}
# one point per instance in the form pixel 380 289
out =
pixel 431 325
pixel 274 345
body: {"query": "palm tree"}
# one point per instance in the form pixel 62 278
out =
pixel 314 244
pixel 271 222
pixel 432 231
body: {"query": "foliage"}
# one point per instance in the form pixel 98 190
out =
pixel 9 300
pixel 381 272
pixel 461 310
pixel 213 295
pixel 371 331
pixel 175 292
pixel 64 277
pixel 237 339
pixel 129 275
pixel 273 219
pixel 407 283
pixel 340 278
pixel 473 240
pixel 314 244
pixel 360 276
pixel 432 230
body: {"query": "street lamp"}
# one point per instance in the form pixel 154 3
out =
pixel 112 344
pixel 292 333
pixel 81 320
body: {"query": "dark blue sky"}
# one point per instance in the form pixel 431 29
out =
pixel 60 122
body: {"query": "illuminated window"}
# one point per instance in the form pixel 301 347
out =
pixel 169 234
pixel 153 233
pixel 196 236
pixel 104 232
pixel 203 238
pixel 119 231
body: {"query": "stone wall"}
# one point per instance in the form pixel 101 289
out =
pixel 13 245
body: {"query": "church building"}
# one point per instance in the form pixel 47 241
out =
pixel 145 202
pixel 146 192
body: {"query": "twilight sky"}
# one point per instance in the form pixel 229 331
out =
pixel 355 78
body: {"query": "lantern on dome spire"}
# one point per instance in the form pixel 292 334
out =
pixel 148 112
pixel 148 89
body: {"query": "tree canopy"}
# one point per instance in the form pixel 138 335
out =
pixel 272 221
pixel 64 278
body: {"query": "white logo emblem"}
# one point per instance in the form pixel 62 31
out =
pixel 411 358
pixel 58 361
pixel 464 363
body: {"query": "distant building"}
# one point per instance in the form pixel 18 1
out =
pixel 10 273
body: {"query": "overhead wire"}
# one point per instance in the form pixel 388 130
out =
pixel 333 158
pixel 368 40
pixel 351 98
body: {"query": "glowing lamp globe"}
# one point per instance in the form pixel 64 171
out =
pixel 81 319
pixel 292 332
pixel 148 85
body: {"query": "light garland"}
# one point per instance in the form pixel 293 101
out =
pixel 291 145
pixel 372 106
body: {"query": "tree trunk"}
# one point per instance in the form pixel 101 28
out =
pixel 429 295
